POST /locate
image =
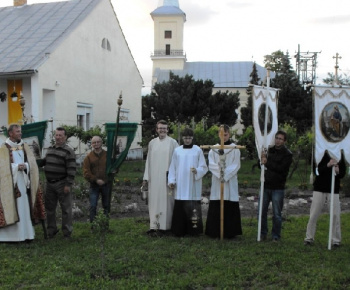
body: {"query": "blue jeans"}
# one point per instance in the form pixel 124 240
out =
pixel 276 197
pixel 94 195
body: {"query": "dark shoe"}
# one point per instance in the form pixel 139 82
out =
pixel 51 236
pixel 67 237
pixel 151 232
pixel 336 245
pixel 275 240
pixel 263 237
pixel 308 243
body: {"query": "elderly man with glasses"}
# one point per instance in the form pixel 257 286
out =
pixel 277 162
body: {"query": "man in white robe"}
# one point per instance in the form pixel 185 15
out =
pixel 232 214
pixel 19 184
pixel 186 171
pixel 160 198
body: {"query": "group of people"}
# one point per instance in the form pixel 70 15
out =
pixel 173 175
pixel 22 204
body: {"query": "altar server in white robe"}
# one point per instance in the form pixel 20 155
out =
pixel 232 214
pixel 160 199
pixel 17 198
pixel 186 171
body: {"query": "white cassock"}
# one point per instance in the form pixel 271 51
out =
pixel 233 164
pixel 188 184
pixel 160 199
pixel 23 229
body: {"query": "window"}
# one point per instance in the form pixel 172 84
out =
pixel 167 34
pixel 84 112
pixel 167 49
pixel 105 44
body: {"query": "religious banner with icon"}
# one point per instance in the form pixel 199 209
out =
pixel 332 122
pixel 263 96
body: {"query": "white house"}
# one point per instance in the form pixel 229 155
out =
pixel 70 61
pixel 169 55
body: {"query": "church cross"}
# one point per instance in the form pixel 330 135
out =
pixel 337 57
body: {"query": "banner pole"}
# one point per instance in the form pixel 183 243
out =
pixel 331 211
pixel 262 176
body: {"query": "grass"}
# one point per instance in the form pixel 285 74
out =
pixel 133 260
pixel 136 261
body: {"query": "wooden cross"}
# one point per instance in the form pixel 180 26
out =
pixel 222 146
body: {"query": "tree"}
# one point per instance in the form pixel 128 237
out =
pixel 183 100
pixel 247 112
pixel 274 61
pixel 344 81
pixel 294 103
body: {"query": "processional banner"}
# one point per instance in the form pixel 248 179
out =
pixel 332 122
pixel 262 97
pixel 126 134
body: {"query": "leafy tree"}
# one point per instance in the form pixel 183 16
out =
pixel 274 61
pixel 345 81
pixel 294 103
pixel 247 112
pixel 184 100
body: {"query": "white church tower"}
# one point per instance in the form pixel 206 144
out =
pixel 168 51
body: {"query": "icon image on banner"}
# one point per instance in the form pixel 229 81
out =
pixel 261 118
pixel 335 122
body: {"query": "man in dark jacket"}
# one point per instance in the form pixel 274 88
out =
pixel 321 194
pixel 277 162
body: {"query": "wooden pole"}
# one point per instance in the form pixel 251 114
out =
pixel 331 211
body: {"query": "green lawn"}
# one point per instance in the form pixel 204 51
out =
pixel 135 261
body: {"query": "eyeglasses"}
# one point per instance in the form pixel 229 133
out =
pixel 162 128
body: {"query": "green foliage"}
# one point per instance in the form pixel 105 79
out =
pixel 274 61
pixel 294 103
pixel 201 136
pixel 345 185
pixel 247 112
pixel 85 136
pixel 100 227
pixel 183 100
pixel 342 80
pixel 248 139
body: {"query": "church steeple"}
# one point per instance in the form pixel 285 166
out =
pixel 168 51
pixel 168 3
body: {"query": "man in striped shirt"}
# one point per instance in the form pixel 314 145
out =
pixel 60 169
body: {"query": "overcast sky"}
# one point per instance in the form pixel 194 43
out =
pixel 243 30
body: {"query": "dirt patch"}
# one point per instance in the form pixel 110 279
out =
pixel 127 202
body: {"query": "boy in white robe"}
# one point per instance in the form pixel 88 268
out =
pixel 232 214
pixel 186 171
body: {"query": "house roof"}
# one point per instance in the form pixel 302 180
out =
pixel 29 33
pixel 223 74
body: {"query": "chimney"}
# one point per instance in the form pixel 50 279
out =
pixel 19 2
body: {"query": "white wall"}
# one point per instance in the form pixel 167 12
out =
pixel 81 71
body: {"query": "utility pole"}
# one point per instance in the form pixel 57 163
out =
pixel 306 63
